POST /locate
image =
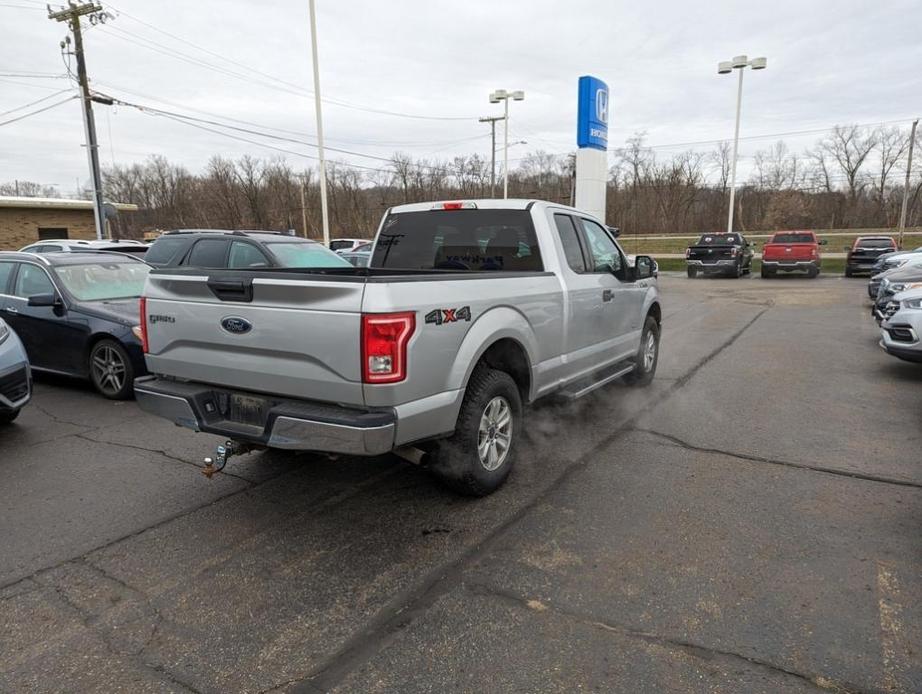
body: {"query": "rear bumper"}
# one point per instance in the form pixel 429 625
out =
pixel 791 265
pixel 723 264
pixel 285 423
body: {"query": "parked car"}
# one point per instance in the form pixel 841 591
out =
pixel 346 245
pixel 219 248
pixel 357 258
pixel 403 356
pixel 891 268
pixel 77 314
pixel 131 247
pixel 15 375
pixel 894 282
pixel 792 251
pixel 892 259
pixel 719 254
pixel 865 251
pixel 901 331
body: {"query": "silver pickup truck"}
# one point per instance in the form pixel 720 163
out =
pixel 467 311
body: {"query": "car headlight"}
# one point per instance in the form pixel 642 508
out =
pixel 897 287
pixel 4 331
pixel 908 303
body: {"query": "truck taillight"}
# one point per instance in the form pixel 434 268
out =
pixel 143 306
pixel 384 346
pixel 687 252
pixel 734 251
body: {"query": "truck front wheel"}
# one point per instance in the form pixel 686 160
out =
pixel 647 355
pixel 478 457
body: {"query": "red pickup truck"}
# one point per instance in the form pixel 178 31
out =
pixel 792 251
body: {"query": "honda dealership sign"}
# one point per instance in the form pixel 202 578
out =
pixel 592 126
pixel 592 139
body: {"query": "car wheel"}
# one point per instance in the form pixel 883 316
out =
pixel 478 457
pixel 848 272
pixel 647 355
pixel 812 272
pixel 692 272
pixel 765 273
pixel 7 416
pixel 111 371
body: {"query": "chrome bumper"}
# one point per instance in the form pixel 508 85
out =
pixel 792 264
pixel 290 424
pixel 701 263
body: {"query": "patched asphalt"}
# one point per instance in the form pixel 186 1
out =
pixel 750 522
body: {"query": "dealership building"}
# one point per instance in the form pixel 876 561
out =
pixel 26 220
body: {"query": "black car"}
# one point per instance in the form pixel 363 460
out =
pixel 863 254
pixel 77 314
pixel 221 249
pixel 719 254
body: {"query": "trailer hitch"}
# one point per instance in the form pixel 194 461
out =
pixel 222 455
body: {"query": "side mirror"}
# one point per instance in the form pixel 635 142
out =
pixel 823 242
pixel 614 231
pixel 45 300
pixel 846 248
pixel 643 267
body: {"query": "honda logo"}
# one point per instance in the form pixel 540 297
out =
pixel 601 105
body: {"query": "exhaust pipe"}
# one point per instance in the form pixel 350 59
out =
pixel 414 455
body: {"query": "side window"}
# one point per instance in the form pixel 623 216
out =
pixel 208 253
pixel 244 255
pixel 602 249
pixel 570 241
pixel 6 270
pixel 32 280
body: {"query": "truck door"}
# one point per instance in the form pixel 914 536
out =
pixel 609 266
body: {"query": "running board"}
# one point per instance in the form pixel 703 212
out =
pixel 585 386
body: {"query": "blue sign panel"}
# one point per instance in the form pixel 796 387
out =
pixel 592 117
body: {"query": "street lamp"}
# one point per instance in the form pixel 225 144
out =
pixel 740 62
pixel 495 98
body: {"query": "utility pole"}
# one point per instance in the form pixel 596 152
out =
pixel 492 121
pixel 323 164
pixel 912 141
pixel 71 14
pixel 303 209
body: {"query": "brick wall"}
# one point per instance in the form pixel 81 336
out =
pixel 19 227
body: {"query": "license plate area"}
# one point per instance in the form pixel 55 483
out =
pixel 246 409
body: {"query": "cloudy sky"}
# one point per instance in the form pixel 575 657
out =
pixel 828 62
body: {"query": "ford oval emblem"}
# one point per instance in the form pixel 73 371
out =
pixel 236 325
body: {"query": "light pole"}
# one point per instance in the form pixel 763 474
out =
pixel 495 98
pixel 324 216
pixel 740 62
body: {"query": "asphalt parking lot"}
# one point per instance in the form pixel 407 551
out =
pixel 750 523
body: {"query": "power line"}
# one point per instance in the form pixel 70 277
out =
pixel 35 113
pixel 277 84
pixel 32 103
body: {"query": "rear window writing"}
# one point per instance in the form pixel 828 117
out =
pixel 720 240
pixel 792 238
pixel 472 240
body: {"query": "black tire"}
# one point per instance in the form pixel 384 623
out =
pixel 813 272
pixel 7 416
pixel 645 370
pixel 457 462
pixel 765 273
pixel 692 272
pixel 111 371
pixel 848 271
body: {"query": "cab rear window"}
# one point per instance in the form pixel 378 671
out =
pixel 793 238
pixel 875 243
pixel 460 240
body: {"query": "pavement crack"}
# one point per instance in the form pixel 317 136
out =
pixel 411 603
pixel 165 454
pixel 851 474
pixel 59 420
pixel 690 647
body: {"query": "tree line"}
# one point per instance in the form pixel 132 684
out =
pixel 852 177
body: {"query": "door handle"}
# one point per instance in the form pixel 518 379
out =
pixel 11 309
pixel 607 295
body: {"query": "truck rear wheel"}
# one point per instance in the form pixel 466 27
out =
pixel 478 457
pixel 692 272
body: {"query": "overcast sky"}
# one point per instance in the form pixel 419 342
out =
pixel 828 62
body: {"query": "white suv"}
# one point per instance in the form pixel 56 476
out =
pixel 900 333
pixel 77 245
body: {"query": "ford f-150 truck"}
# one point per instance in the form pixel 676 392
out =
pixel 723 254
pixel 468 310
pixel 792 251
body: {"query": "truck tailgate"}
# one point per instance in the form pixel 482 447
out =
pixel 788 251
pixel 259 332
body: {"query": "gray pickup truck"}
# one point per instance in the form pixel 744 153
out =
pixel 467 311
